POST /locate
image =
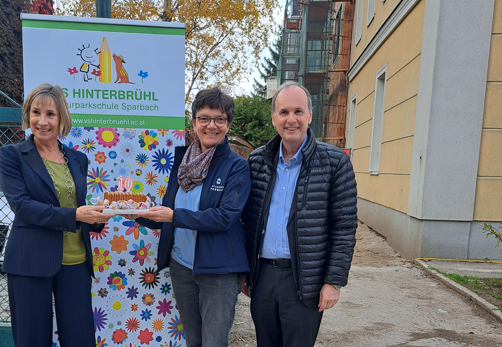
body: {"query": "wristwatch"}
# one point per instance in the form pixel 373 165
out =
pixel 337 286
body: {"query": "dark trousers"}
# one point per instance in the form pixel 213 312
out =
pixel 280 318
pixel 30 301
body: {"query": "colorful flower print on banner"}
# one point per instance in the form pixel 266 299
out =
pixel 132 305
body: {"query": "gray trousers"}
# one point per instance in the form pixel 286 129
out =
pixel 206 304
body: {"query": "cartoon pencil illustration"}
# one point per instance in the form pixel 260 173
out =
pixel 105 63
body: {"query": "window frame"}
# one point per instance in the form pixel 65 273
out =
pixel 377 121
pixel 358 30
pixel 352 122
pixel 370 11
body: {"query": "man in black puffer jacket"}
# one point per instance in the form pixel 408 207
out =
pixel 300 224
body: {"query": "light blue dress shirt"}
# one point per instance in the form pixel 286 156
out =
pixel 183 251
pixel 275 242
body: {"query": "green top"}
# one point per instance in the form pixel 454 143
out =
pixel 73 243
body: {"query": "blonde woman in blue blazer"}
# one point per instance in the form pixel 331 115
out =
pixel 49 249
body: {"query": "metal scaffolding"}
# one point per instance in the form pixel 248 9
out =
pixel 289 63
pixel 316 53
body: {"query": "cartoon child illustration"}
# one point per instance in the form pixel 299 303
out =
pixel 90 57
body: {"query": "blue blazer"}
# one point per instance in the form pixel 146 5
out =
pixel 35 245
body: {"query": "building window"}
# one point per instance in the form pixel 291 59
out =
pixel 370 14
pixel 359 21
pixel 291 43
pixel 376 130
pixel 290 76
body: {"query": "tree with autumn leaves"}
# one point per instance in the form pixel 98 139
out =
pixel 41 6
pixel 223 38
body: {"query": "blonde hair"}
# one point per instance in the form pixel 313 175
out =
pixel 44 91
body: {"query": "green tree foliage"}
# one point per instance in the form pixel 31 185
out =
pixel 490 230
pixel 252 120
pixel 11 51
pixel 269 66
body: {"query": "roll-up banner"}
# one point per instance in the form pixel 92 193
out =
pixel 124 83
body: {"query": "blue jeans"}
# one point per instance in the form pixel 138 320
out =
pixel 206 304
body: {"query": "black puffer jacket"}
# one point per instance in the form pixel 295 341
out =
pixel 323 218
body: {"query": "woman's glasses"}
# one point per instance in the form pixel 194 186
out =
pixel 205 121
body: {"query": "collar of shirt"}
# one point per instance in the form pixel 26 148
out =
pixel 298 156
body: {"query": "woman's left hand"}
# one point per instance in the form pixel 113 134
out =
pixel 158 214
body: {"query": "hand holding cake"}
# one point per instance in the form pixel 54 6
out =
pixel 158 214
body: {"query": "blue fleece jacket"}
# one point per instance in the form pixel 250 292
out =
pixel 220 244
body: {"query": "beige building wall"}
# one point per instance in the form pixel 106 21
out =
pixel 382 12
pixel 488 202
pixel 439 173
pixel 400 53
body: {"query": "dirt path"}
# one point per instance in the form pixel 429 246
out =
pixel 389 302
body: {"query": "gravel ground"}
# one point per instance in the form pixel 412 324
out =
pixel 389 302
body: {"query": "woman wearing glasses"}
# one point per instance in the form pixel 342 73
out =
pixel 202 238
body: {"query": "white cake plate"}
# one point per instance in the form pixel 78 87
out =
pixel 117 211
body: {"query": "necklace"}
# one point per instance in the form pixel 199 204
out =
pixel 67 177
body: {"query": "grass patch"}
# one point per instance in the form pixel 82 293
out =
pixel 489 289
pixel 495 282
pixel 460 279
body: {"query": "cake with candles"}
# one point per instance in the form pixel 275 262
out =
pixel 123 202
